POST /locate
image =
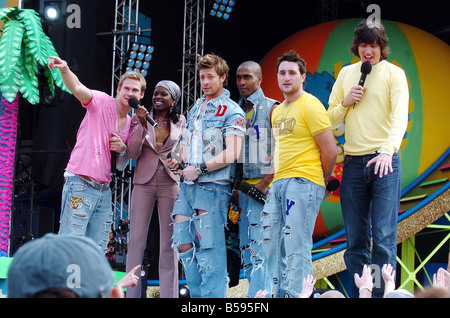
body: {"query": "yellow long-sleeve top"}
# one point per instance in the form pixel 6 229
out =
pixel 379 121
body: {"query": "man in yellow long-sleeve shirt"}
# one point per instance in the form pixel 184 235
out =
pixel 375 118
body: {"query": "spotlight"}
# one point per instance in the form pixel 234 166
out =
pixel 184 292
pixel 222 8
pixel 139 57
pixel 52 11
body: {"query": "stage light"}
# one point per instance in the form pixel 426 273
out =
pixel 222 9
pixel 52 11
pixel 183 292
pixel 139 57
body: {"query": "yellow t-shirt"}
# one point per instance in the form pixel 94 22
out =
pixel 296 152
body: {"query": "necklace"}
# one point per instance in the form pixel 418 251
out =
pixel 161 122
pixel 286 105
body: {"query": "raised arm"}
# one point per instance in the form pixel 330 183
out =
pixel 81 92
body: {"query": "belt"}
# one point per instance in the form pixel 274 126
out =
pixel 92 182
pixel 367 154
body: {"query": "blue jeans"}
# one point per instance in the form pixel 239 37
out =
pixel 288 223
pixel 369 208
pixel 250 242
pixel 205 264
pixel 86 211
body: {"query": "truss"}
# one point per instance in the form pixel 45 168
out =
pixel 329 10
pixel 193 44
pixel 125 24
pixel 125 28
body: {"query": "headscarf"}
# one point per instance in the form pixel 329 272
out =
pixel 173 89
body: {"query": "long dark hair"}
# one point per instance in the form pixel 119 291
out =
pixel 374 33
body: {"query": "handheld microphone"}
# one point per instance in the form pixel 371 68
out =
pixel 252 192
pixel 134 103
pixel 333 185
pixel 180 164
pixel 366 68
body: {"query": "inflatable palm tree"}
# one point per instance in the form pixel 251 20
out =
pixel 23 47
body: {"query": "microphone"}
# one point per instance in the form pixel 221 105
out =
pixel 252 192
pixel 134 103
pixel 180 164
pixel 333 184
pixel 366 68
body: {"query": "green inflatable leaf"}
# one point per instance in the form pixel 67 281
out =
pixel 35 34
pixel 10 46
pixel 55 74
pixel 28 84
pixel 10 53
pixel 29 64
pixel 24 46
pixel 10 12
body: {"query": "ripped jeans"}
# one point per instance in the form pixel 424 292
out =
pixel 205 263
pixel 86 211
pixel 250 241
pixel 289 218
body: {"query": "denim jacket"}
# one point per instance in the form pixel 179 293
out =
pixel 206 132
pixel 259 141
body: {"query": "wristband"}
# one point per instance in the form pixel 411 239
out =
pixel 203 168
pixel 123 152
pixel 365 287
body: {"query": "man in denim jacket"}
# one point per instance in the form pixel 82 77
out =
pixel 255 170
pixel 211 146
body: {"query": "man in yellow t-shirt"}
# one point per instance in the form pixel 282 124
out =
pixel 376 117
pixel 304 158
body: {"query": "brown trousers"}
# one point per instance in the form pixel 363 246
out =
pixel 164 189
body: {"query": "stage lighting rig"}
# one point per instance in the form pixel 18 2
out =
pixel 222 9
pixel 52 11
pixel 139 57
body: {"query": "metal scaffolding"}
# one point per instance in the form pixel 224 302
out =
pixel 193 44
pixel 329 10
pixel 125 28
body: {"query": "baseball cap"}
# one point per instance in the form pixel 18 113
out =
pixel 60 261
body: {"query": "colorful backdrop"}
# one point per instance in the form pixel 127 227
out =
pixel 425 59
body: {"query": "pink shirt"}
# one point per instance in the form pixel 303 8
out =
pixel 91 155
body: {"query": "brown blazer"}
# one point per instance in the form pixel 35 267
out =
pixel 142 146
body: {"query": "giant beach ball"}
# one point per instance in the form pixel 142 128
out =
pixel 425 60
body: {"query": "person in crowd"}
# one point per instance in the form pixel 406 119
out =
pixel 63 266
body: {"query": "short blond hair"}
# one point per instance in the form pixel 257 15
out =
pixel 134 75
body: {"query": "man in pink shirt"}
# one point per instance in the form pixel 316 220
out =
pixel 86 199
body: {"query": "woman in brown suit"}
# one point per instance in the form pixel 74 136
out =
pixel 155 180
